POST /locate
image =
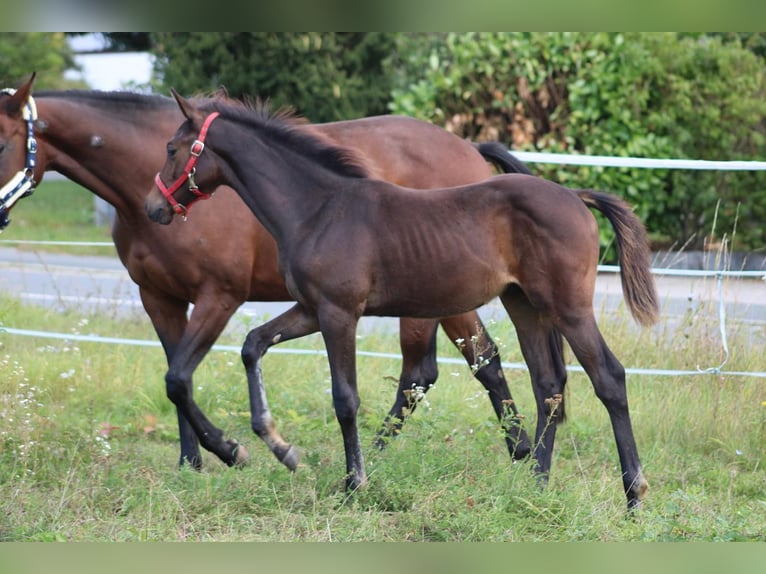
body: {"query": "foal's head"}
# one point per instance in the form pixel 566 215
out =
pixel 184 158
pixel 193 170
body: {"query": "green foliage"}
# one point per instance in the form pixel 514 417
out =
pixel 22 53
pixel 646 95
pixel 324 76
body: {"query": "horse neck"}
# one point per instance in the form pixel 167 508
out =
pixel 112 151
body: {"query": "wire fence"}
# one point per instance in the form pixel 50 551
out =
pixel 533 157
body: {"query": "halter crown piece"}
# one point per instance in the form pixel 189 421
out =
pixel 23 183
pixel 197 147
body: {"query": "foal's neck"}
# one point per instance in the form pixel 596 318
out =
pixel 284 188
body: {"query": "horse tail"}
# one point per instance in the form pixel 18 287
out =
pixel 501 158
pixel 638 285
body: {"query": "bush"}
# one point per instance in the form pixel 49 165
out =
pixel 646 95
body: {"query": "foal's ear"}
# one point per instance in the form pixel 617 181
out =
pixel 187 109
pixel 16 102
pixel 221 93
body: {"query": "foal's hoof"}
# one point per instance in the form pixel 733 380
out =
pixel 354 483
pixel 290 458
pixel 239 456
pixel 636 492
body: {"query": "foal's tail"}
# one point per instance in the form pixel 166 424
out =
pixel 632 246
pixel 633 250
pixel 499 155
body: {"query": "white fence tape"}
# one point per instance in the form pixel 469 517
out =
pixel 641 162
pixel 361 353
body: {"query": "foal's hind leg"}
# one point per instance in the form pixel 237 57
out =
pixel 541 346
pixel 470 336
pixel 608 378
pixel 292 324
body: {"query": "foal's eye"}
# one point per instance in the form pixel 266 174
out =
pixel 2 147
pixel 171 150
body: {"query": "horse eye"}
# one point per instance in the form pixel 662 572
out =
pixel 2 147
pixel 171 150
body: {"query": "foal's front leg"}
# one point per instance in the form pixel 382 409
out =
pixel 338 328
pixel 292 324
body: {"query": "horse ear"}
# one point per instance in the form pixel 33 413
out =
pixel 221 93
pixel 187 109
pixel 16 102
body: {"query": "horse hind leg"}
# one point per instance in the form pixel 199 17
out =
pixel 541 346
pixel 470 336
pixel 417 339
pixel 608 378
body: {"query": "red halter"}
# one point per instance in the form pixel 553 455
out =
pixel 188 175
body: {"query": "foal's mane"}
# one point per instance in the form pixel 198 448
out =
pixel 283 127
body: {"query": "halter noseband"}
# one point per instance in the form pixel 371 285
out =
pixel 197 147
pixel 23 183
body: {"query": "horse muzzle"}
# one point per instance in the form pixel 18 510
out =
pixel 158 211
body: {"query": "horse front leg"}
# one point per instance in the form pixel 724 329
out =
pixel 207 321
pixel 338 328
pixel 292 324
pixel 168 316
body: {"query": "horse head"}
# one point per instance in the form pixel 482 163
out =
pixel 185 166
pixel 18 147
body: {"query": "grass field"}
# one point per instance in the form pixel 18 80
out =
pixel 88 441
pixel 58 210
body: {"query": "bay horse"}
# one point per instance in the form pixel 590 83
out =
pixel 113 143
pixel 350 245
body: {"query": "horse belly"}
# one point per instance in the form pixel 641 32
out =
pixel 436 292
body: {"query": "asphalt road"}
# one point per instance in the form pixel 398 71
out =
pixel 101 283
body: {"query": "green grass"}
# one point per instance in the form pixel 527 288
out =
pixel 58 210
pixel 88 448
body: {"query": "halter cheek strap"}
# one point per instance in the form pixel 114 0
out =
pixel 23 183
pixel 188 173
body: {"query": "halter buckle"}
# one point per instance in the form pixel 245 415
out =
pixel 197 148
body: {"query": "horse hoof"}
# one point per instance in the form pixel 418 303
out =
pixel 290 459
pixel 354 483
pixel 238 455
pixel 241 456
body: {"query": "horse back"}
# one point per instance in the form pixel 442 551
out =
pixel 409 152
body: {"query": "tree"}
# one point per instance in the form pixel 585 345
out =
pixel 324 76
pixel 48 54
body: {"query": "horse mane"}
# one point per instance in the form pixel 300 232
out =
pixel 108 99
pixel 282 126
